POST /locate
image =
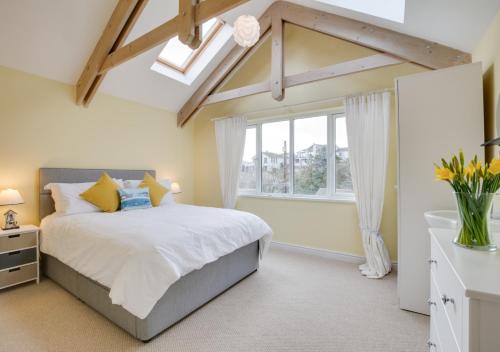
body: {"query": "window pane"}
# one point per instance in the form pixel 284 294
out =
pixel 177 53
pixel 343 173
pixel 275 157
pixel 310 160
pixel 207 27
pixel 248 176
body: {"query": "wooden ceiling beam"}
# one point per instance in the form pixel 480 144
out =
pixel 277 59
pixel 204 11
pixel 109 51
pixel 142 44
pixel 118 43
pixel 197 40
pixel 263 38
pixel 222 72
pixel 189 33
pixel 426 53
pixel 332 71
pixel 406 47
pixel 114 27
pixel 342 69
pixel 231 94
pixel 186 21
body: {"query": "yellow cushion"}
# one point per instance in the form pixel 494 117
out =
pixel 156 191
pixel 104 194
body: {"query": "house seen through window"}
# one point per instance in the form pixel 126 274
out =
pixel 301 156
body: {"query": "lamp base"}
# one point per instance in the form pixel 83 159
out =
pixel 10 228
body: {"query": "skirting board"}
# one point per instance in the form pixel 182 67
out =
pixel 324 253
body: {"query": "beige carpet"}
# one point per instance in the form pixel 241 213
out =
pixel 294 303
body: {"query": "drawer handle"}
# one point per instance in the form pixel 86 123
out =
pixel 14 253
pixel 432 261
pixel 431 303
pixel 447 299
pixel 14 236
pixel 15 269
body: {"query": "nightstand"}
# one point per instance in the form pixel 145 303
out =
pixel 19 256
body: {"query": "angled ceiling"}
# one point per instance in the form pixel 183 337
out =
pixel 54 38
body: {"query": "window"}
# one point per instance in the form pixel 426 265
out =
pixel 179 56
pixel 310 148
pixel 343 180
pixel 248 175
pixel 299 157
pixel 275 157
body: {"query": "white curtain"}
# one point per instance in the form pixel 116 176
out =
pixel 367 119
pixel 230 135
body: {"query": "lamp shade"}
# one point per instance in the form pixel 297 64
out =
pixel 175 188
pixel 246 30
pixel 10 197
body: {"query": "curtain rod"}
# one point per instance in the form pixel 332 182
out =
pixel 343 97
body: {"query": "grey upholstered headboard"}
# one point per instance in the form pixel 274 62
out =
pixel 56 175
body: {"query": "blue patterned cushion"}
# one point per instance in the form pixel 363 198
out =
pixel 134 198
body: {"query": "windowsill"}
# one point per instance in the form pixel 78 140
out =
pixel 339 198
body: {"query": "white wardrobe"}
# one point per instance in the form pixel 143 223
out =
pixel 439 113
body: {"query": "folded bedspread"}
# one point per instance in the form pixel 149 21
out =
pixel 139 254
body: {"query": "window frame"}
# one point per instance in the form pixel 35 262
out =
pixel 216 28
pixel 332 195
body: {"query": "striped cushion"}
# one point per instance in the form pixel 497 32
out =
pixel 134 198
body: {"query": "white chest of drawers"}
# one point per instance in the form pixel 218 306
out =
pixel 465 297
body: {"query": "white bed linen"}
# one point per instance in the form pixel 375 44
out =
pixel 139 254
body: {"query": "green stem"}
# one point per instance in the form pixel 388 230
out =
pixel 473 209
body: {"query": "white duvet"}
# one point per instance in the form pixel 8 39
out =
pixel 139 254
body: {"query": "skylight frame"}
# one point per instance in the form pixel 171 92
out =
pixel 214 30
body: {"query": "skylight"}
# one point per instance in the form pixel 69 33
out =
pixel 180 56
pixel 393 10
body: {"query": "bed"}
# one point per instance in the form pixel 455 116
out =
pixel 188 292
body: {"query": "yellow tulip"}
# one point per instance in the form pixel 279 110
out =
pixel 494 167
pixel 470 170
pixel 444 174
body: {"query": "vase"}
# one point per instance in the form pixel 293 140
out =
pixel 473 230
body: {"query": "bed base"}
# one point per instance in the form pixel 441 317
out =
pixel 182 298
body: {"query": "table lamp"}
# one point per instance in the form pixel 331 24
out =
pixel 10 197
pixel 175 188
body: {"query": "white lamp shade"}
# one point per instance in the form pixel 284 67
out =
pixel 10 197
pixel 246 30
pixel 175 188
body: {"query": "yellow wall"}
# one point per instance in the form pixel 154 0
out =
pixel 488 51
pixel 327 225
pixel 40 126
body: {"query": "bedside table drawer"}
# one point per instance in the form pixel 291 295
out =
pixel 13 242
pixel 17 275
pixel 16 258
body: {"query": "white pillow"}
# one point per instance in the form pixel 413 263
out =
pixel 167 198
pixel 48 186
pixel 67 198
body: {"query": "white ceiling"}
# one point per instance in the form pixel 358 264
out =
pixel 54 38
